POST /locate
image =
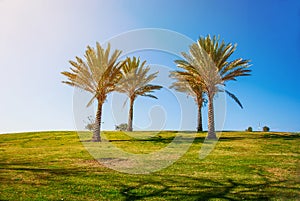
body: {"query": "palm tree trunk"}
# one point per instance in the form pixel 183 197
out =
pixel 211 120
pixel 97 126
pixel 130 115
pixel 199 127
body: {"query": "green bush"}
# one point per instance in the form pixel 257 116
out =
pixel 249 129
pixel 266 129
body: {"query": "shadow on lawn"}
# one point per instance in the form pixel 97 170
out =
pixel 189 188
pixel 290 136
pixel 151 139
pixel 35 168
pixel 200 139
pixel 156 186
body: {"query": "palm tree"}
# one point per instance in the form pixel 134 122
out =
pixel 186 84
pixel 97 75
pixel 135 82
pixel 208 64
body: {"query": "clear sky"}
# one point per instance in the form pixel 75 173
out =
pixel 38 37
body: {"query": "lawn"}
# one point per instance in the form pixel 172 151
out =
pixel 242 166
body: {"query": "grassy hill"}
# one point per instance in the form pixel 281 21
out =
pixel 242 166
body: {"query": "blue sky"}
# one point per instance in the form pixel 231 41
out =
pixel 37 39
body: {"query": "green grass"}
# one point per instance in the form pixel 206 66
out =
pixel 243 166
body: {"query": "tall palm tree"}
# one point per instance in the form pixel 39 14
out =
pixel 186 84
pixel 135 82
pixel 208 64
pixel 98 74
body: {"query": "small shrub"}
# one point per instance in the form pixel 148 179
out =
pixel 266 129
pixel 249 129
pixel 121 127
pixel 90 124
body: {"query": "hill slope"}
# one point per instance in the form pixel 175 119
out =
pixel 56 166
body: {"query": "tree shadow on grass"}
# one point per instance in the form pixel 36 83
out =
pixel 290 136
pixel 151 139
pixel 156 186
pixel 221 139
pixel 40 174
pixel 190 188
pixel 200 139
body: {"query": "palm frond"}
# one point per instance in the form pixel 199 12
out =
pixel 91 101
pixel 231 95
pixel 149 88
pixel 149 95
